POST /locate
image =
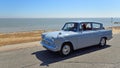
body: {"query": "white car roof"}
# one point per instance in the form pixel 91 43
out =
pixel 83 22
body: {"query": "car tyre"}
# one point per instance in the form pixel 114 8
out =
pixel 102 42
pixel 66 49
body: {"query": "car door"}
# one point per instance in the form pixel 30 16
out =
pixel 96 27
pixel 87 37
pixel 91 37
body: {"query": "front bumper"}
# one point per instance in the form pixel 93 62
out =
pixel 50 47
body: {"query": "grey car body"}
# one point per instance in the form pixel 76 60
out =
pixel 78 38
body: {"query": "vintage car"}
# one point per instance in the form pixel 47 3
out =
pixel 76 35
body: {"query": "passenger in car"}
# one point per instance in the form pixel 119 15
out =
pixel 84 26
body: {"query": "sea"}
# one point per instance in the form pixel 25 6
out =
pixel 8 25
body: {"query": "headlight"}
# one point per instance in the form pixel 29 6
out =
pixel 43 36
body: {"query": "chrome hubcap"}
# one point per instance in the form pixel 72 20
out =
pixel 66 49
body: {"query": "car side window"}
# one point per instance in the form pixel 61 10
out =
pixel 88 26
pixel 96 26
pixel 85 26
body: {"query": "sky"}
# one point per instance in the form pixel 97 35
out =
pixel 59 8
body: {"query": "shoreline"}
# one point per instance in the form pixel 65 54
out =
pixel 32 36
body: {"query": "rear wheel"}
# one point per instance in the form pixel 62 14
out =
pixel 102 42
pixel 66 49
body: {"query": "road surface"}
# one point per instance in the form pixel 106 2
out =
pixel 36 56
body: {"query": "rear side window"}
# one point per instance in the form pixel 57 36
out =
pixel 96 26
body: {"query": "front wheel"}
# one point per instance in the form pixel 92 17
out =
pixel 102 42
pixel 65 50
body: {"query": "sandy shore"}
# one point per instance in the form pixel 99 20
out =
pixel 20 37
pixel 115 29
pixel 23 37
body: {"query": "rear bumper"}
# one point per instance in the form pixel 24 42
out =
pixel 109 38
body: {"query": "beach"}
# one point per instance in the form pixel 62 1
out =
pixel 115 29
pixel 20 37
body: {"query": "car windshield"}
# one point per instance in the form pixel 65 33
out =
pixel 70 27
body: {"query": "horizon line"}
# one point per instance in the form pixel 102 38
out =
pixel 60 17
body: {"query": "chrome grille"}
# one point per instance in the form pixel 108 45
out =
pixel 46 42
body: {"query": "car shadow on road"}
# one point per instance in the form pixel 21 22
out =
pixel 48 57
